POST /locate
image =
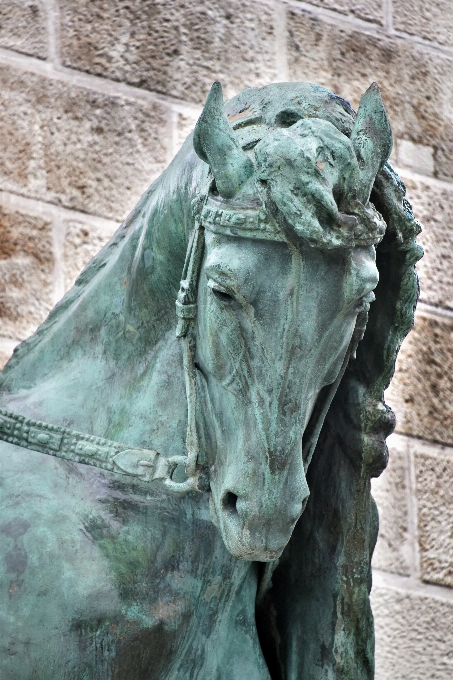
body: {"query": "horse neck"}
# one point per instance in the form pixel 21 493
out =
pixel 97 363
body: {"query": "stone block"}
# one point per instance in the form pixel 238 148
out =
pixel 415 82
pixel 433 206
pixel 394 550
pixel 417 157
pixel 23 26
pixel 7 346
pixel 429 20
pixel 421 392
pixel 82 243
pixel 434 490
pixel 68 145
pixel 26 272
pixel 413 634
pixel 4 357
pixel 185 124
pixel 178 48
pixel 362 9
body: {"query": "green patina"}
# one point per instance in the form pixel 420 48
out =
pixel 262 569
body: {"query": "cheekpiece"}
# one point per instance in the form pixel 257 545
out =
pixel 247 219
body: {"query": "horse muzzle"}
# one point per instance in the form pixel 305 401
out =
pixel 255 528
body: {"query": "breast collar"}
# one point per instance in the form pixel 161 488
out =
pixel 146 464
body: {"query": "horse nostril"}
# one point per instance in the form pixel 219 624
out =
pixel 229 503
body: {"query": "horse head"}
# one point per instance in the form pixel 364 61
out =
pixel 284 289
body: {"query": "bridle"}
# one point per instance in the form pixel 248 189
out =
pixel 253 224
pixel 146 464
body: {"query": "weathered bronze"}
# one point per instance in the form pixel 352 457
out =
pixel 180 551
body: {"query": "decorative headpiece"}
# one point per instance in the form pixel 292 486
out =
pixel 298 176
pixel 246 219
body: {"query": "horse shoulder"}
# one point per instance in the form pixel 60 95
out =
pixel 101 579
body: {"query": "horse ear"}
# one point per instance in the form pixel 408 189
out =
pixel 372 140
pixel 215 143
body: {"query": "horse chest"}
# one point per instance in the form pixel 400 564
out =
pixel 100 583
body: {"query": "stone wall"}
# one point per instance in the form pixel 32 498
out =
pixel 96 97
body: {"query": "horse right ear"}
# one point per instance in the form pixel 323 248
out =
pixel 372 140
pixel 215 143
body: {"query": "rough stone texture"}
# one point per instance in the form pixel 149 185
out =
pixel 26 273
pixel 82 242
pixel 417 157
pixel 23 26
pixel 394 550
pixel 421 392
pixel 413 635
pixel 433 206
pixel 415 83
pixel 434 488
pixel 4 356
pixel 6 349
pixel 185 125
pixel 69 145
pixel 429 20
pixel 178 48
pixel 362 9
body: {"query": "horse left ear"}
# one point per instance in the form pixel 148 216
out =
pixel 215 143
pixel 372 140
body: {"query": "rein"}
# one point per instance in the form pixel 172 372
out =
pixel 146 464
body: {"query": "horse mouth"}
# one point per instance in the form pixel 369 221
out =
pixel 247 550
pixel 243 544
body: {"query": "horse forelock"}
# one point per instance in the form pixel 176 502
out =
pixel 300 139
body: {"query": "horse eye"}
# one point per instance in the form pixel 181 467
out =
pixel 221 295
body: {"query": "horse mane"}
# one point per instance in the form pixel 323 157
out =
pixel 390 320
pixel 157 229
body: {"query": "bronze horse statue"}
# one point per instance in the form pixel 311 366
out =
pixel 187 496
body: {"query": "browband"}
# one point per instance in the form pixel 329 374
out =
pixel 244 219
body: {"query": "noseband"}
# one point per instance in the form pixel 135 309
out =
pixel 146 464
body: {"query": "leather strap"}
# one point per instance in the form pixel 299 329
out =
pixel 75 446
